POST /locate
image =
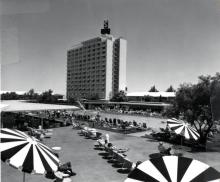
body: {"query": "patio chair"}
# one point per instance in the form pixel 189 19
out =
pixel 114 157
pixel 30 131
pixel 122 151
pixel 94 135
pixel 48 135
pixel 127 166
pixel 75 125
pixel 110 121
pixel 114 122
pixel 101 144
pixel 66 168
pixel 120 160
pixel 134 123
pixel 98 135
pixel 144 125
pixel 110 153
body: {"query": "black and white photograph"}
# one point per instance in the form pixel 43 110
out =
pixel 110 90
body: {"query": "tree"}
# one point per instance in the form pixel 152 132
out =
pixel 119 97
pixel 148 98
pixel 215 98
pixel 153 89
pixel 170 89
pixel 194 103
pixel 10 96
pixel 47 97
pixel 30 94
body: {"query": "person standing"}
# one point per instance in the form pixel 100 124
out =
pixel 106 138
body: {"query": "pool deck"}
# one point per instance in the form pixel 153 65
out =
pixel 89 164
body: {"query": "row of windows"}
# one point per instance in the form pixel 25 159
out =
pixel 87 81
pixel 86 76
pixel 87 55
pixel 85 94
pixel 95 47
pixel 88 66
pixel 75 67
pixel 88 90
pixel 87 72
pixel 82 64
pixel 88 58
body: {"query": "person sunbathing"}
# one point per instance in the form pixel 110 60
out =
pixel 66 169
pixel 113 147
pixel 101 142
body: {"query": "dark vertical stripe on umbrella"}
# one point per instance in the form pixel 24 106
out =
pixel 49 155
pixel 176 127
pixel 183 131
pixel 195 133
pixel 183 164
pixel 7 154
pixel 160 165
pixel 28 164
pixel 173 122
pixel 208 175
pixel 44 146
pixel 6 140
pixel 190 134
pixel 44 161
pixel 21 133
pixel 10 133
pixel 137 174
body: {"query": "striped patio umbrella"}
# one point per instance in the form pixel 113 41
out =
pixel 183 128
pixel 173 169
pixel 26 153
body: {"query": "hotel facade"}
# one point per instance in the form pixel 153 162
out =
pixel 97 67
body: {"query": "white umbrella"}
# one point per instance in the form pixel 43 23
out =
pixel 173 169
pixel 26 153
pixel 183 128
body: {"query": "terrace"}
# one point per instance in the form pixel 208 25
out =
pixel 90 165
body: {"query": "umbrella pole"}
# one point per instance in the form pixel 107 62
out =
pixel 42 122
pixel 23 176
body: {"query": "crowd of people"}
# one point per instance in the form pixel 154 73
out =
pixel 110 123
pixel 147 113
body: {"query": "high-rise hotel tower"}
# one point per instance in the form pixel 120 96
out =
pixel 97 67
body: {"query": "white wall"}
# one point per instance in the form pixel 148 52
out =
pixel 122 63
pixel 109 52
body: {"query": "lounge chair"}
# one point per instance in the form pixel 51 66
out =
pixel 127 166
pixel 101 144
pixel 114 156
pixel 75 125
pixel 98 135
pixel 66 169
pixel 110 153
pixel 144 125
pixel 120 160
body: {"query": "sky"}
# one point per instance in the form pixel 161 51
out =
pixel 169 41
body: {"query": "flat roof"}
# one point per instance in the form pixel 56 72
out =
pixel 152 94
pixel 160 104
pixel 21 105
